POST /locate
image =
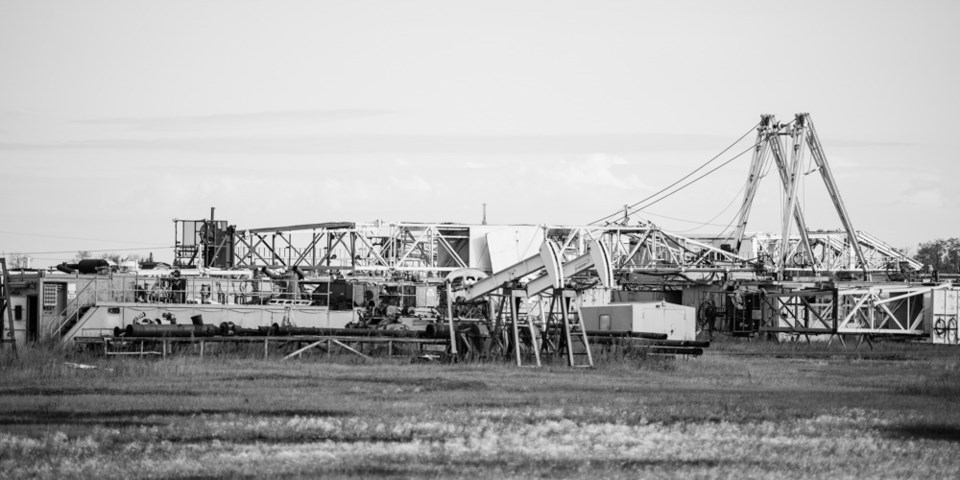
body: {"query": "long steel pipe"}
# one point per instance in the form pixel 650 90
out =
pixel 170 330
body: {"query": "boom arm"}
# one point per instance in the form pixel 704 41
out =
pixel 548 259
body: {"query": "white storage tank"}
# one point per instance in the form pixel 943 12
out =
pixel 679 322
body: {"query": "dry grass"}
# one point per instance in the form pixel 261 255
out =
pixel 726 414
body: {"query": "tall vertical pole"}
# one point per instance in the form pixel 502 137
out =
pixel 793 180
pixel 564 313
pixel 353 249
pixel 783 168
pixel 6 304
pixel 453 335
pixel 209 240
pixel 533 330
pixel 176 244
pixel 577 300
pixel 515 329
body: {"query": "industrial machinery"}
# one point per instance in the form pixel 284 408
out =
pixel 518 290
pixel 558 327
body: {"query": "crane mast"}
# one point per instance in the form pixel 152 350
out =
pixel 802 138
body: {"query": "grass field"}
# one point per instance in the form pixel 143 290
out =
pixel 743 410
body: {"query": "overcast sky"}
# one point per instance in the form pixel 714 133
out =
pixel 116 117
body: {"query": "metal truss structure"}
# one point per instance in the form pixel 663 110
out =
pixel 646 248
pixel 359 247
pixel 429 250
pixel 433 249
pixel 877 309
pixel 786 144
pixel 642 256
pixel 832 252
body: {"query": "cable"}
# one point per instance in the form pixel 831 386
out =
pixel 708 162
pixel 70 238
pixel 698 178
pixel 96 251
pixel 764 162
pixel 683 220
pixel 725 227
pixel 708 173
pixel 765 166
pixel 769 165
pixel 727 232
pixel 49 259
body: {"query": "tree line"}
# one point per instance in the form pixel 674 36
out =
pixel 942 255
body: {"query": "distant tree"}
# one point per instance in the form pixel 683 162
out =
pixel 943 255
pixel 19 260
pixel 953 255
pixel 118 258
pixel 82 254
pixel 113 257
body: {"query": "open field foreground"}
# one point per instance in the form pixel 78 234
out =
pixel 740 411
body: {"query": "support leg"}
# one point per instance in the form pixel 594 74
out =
pixel 533 339
pixel 566 331
pixel 515 329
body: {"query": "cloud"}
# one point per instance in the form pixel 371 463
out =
pixel 925 198
pixel 394 144
pixel 231 120
pixel 475 165
pixel 596 170
pixel 414 183
pixel 847 143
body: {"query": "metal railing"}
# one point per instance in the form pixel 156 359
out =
pixel 68 317
pixel 209 290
